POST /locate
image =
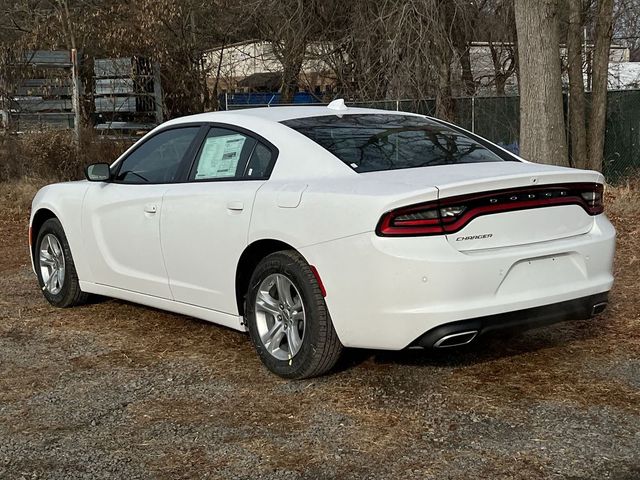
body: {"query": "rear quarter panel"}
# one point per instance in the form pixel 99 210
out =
pixel 329 208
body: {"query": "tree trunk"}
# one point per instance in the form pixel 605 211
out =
pixel 542 132
pixel 291 57
pixel 598 116
pixel 469 85
pixel 577 118
pixel 290 81
pixel 499 76
pixel 444 97
pixel 64 7
pixel 216 100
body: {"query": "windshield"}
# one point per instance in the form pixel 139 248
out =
pixel 374 142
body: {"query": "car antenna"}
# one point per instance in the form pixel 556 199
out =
pixel 337 104
pixel 271 100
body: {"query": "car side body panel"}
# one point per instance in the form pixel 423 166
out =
pixel 121 231
pixel 227 320
pixel 330 208
pixel 65 201
pixel 204 229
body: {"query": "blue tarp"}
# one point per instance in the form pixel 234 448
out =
pixel 263 98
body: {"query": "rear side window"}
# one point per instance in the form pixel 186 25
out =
pixel 226 154
pixel 374 142
pixel 260 162
pixel 223 155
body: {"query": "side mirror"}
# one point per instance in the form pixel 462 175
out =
pixel 98 172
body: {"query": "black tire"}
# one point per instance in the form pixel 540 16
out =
pixel 70 293
pixel 321 348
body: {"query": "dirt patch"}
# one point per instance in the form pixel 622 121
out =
pixel 115 390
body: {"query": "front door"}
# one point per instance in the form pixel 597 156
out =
pixel 121 219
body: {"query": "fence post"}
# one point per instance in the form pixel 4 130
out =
pixel 567 127
pixel 4 116
pixel 75 95
pixel 473 114
pixel 157 93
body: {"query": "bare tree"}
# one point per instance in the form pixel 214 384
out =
pixel 444 14
pixel 498 28
pixel 598 116
pixel 542 130
pixel 288 26
pixel 372 44
pixel 627 26
pixel 587 126
pixel 577 126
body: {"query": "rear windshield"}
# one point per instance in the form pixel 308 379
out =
pixel 374 142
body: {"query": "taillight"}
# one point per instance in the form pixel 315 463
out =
pixel 450 215
pixel 594 199
pixel 422 219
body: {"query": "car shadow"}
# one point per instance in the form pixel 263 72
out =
pixel 486 348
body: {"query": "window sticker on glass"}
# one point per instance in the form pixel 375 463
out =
pixel 220 156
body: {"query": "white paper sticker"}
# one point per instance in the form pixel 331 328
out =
pixel 220 156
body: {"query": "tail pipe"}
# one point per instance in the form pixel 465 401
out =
pixel 598 308
pixel 456 339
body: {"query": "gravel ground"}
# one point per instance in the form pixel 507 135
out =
pixel 115 390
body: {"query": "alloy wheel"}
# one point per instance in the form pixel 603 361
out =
pixel 52 264
pixel 280 316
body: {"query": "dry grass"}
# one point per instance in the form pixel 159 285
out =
pixel 623 202
pixel 52 155
pixel 623 208
pixel 405 414
pixel 16 195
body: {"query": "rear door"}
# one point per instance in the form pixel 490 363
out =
pixel 121 219
pixel 205 221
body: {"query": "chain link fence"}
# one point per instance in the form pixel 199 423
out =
pixel 495 118
pixel 622 136
pixel 498 119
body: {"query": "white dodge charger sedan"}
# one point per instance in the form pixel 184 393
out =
pixel 318 228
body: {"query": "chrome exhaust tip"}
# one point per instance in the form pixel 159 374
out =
pixel 456 339
pixel 598 308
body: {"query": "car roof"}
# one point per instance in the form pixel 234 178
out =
pixel 279 114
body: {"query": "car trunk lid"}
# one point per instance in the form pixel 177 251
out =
pixel 506 203
pixel 524 187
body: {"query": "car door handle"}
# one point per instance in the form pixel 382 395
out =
pixel 235 206
pixel 150 208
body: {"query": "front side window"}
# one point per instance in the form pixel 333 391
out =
pixel 158 159
pixel 374 142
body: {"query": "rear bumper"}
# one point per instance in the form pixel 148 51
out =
pixel 384 293
pixel 465 331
